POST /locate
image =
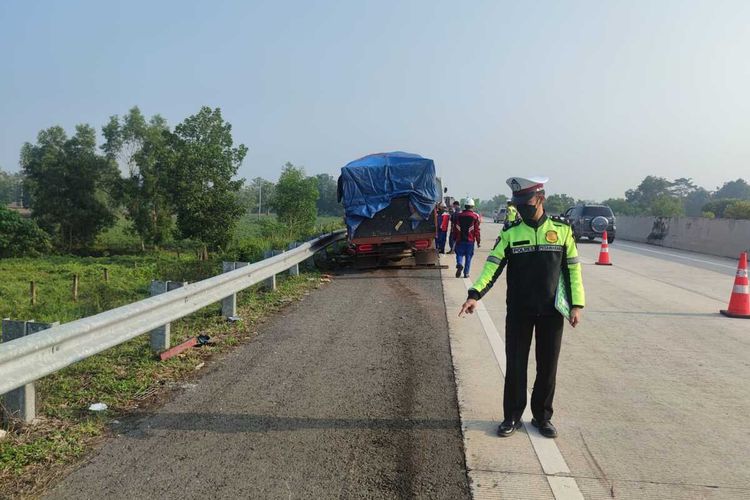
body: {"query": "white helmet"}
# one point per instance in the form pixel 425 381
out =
pixel 468 202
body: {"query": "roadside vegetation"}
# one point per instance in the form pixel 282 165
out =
pixel 128 379
pixel 658 197
pixel 152 202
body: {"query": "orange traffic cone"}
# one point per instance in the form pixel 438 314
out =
pixel 739 302
pixel 604 252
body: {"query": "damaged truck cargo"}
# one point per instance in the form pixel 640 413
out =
pixel 390 204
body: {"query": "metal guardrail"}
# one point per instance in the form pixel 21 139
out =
pixel 32 357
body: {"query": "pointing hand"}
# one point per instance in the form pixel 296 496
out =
pixel 468 307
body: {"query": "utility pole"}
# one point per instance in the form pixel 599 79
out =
pixel 260 195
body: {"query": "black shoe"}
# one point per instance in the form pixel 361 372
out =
pixel 545 427
pixel 508 427
pixel 459 268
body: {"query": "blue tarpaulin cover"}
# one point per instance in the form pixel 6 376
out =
pixel 370 183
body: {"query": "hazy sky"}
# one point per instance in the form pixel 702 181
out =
pixel 594 94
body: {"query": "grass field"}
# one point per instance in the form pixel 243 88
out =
pixel 128 376
pixel 129 275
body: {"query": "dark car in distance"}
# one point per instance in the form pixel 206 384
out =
pixel 499 216
pixel 591 221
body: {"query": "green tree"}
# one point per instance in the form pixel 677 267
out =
pixel 695 201
pixel 489 207
pixel 558 203
pixel 295 200
pixel 738 189
pixel 203 163
pixel 11 190
pixel 648 191
pixel 20 237
pixel 666 206
pixel 70 185
pixel 718 207
pixel 682 187
pixel 143 150
pixel 257 197
pixel 328 203
pixel 621 206
pixel 738 210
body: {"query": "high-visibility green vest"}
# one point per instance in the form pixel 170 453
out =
pixel 535 256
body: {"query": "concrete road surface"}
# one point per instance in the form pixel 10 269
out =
pixel 348 394
pixel 653 387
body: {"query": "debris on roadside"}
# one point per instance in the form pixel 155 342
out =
pixel 98 407
pixel 198 341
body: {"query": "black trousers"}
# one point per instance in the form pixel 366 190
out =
pixel 518 331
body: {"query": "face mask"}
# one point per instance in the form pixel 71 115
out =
pixel 527 212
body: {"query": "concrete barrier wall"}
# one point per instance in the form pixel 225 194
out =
pixel 721 237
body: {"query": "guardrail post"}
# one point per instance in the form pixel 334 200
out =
pixel 160 337
pixel 21 403
pixel 229 304
pixel 270 283
pixel 294 270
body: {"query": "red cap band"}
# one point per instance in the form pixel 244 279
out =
pixel 535 187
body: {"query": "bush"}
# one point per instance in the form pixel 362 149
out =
pixel 738 210
pixel 708 215
pixel 718 206
pixel 247 250
pixel 667 206
pixel 20 237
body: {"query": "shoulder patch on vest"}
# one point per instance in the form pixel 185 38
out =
pixel 557 218
pixel 511 224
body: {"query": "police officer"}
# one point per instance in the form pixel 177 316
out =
pixel 537 250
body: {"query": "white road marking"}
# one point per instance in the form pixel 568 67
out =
pixel 552 461
pixel 678 256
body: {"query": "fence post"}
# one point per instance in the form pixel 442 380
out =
pixel 160 337
pixel 229 304
pixel 294 270
pixel 270 283
pixel 21 403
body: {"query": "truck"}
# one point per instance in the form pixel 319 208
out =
pixel 390 202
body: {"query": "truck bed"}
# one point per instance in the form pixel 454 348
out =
pixel 393 224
